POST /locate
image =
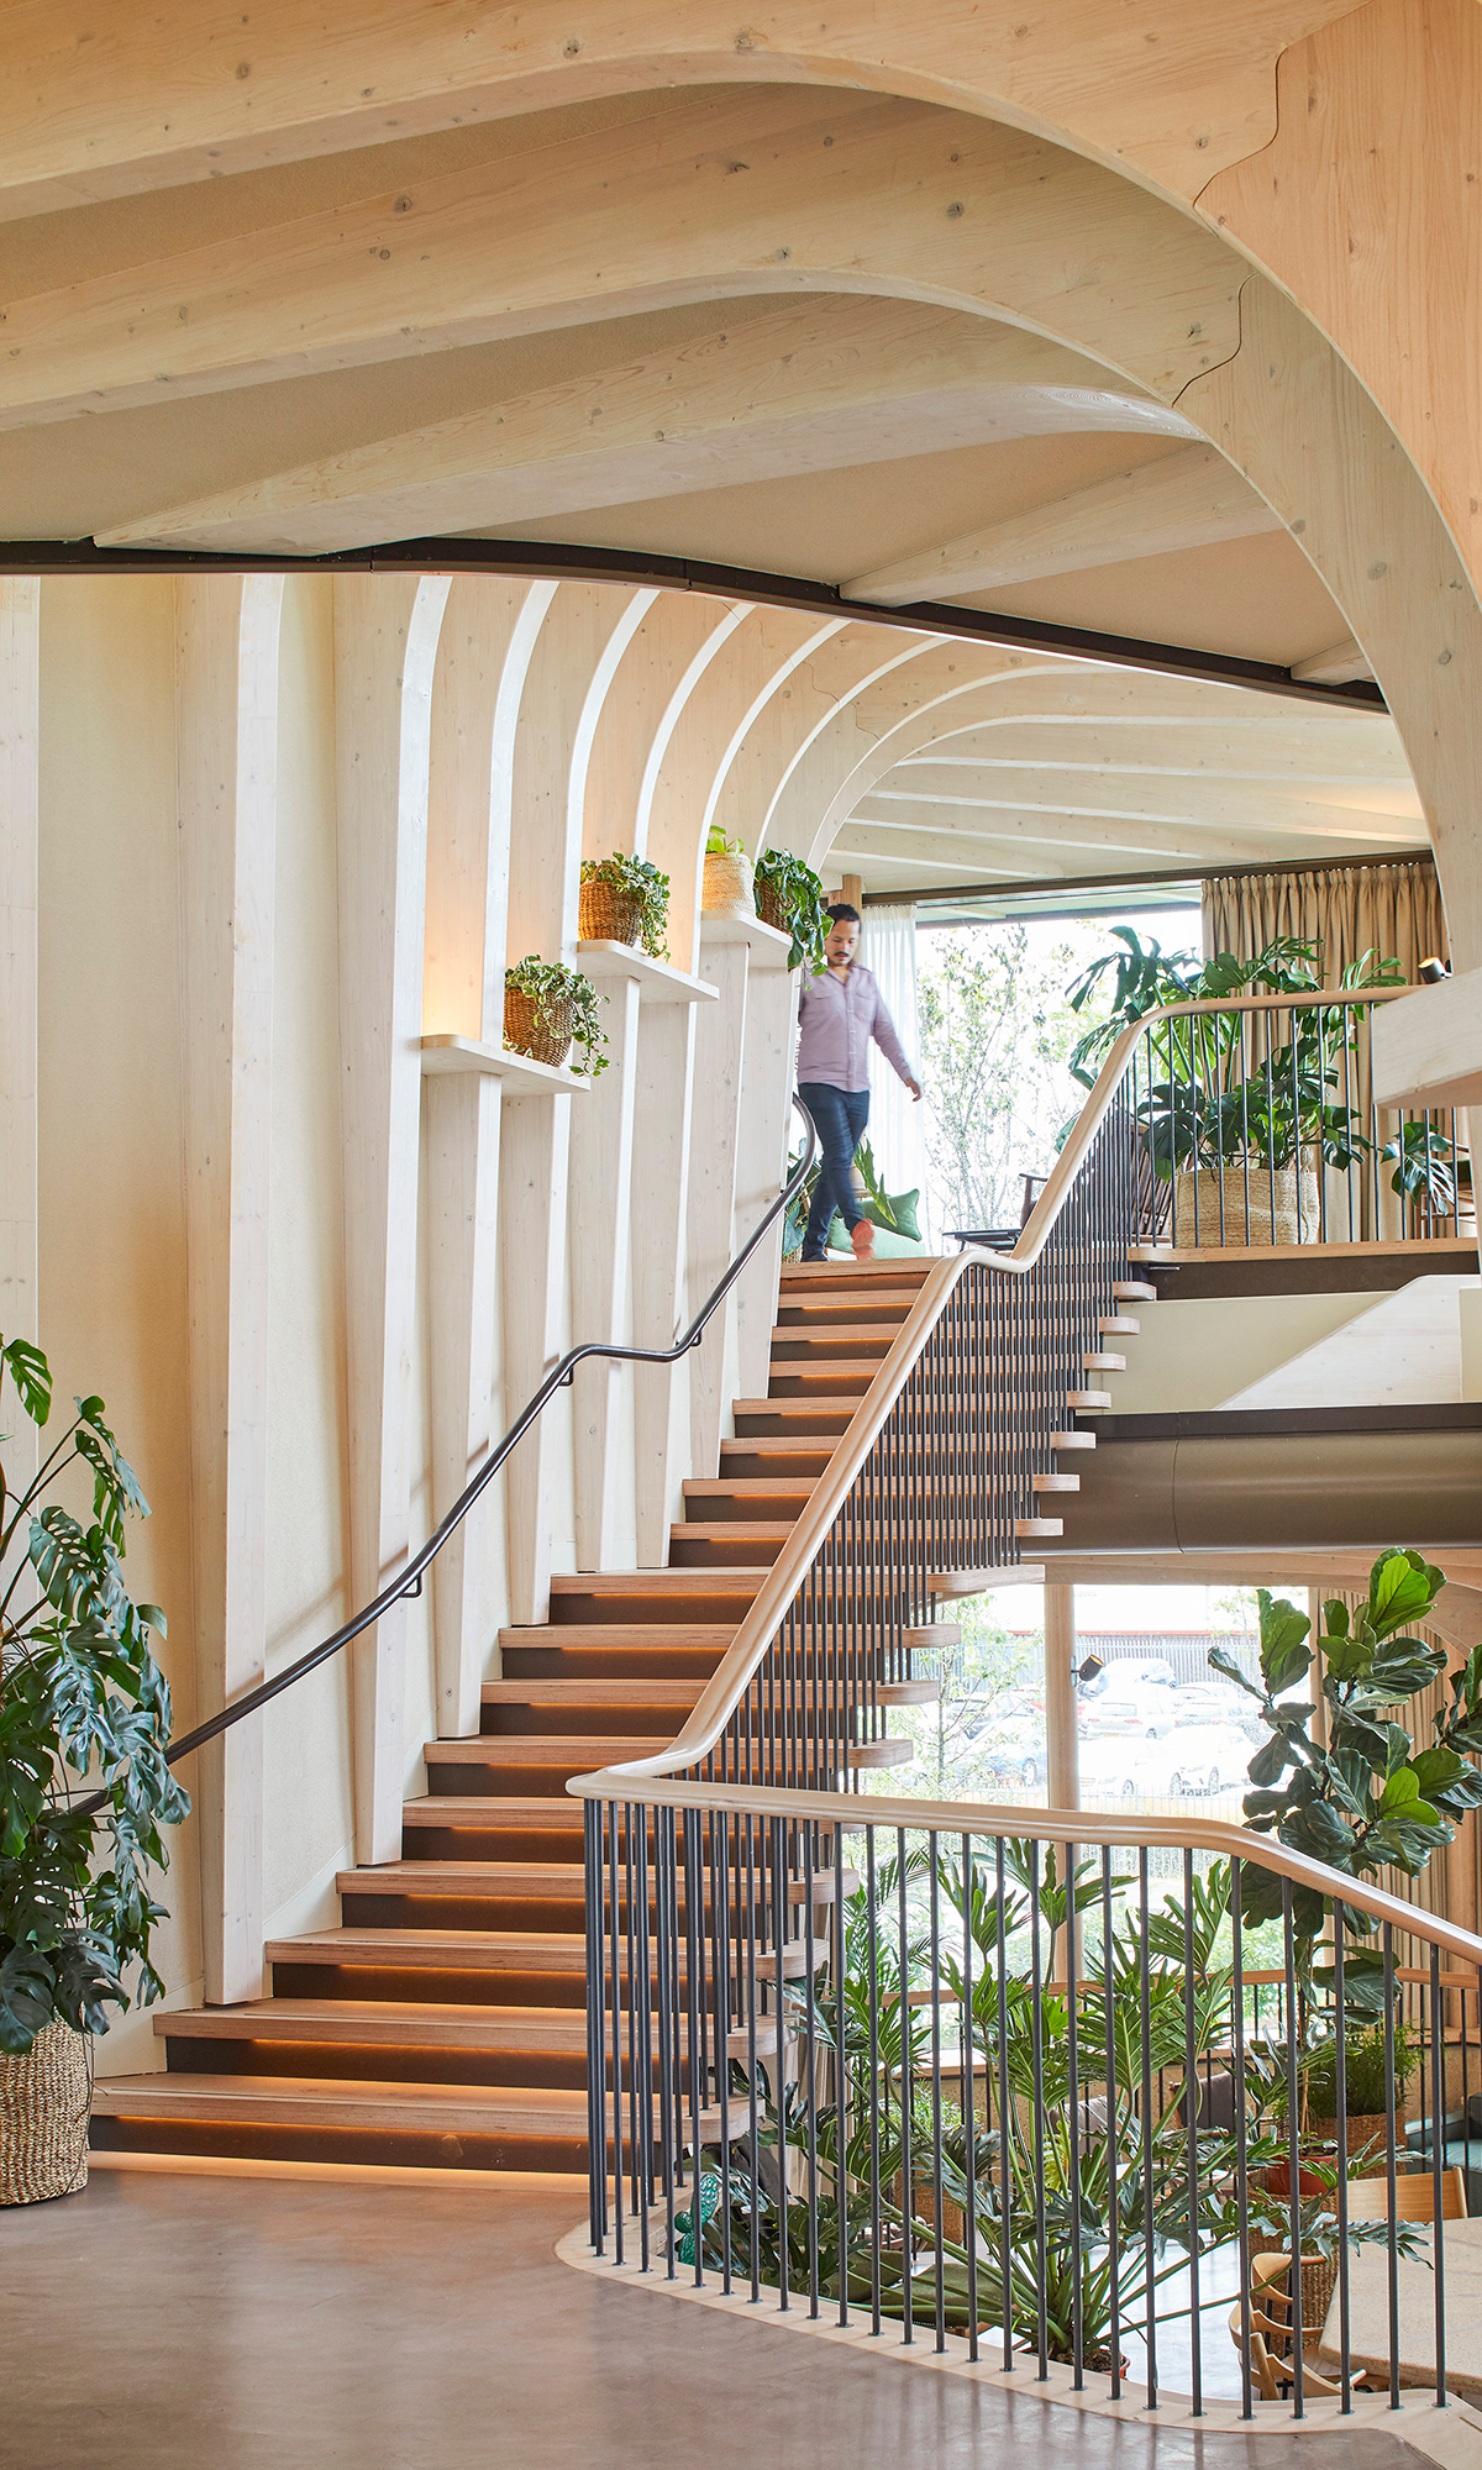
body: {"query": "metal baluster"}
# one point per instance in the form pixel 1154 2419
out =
pixel 1191 2123
pixel 873 1958
pixel 966 2045
pixel 1037 2067
pixel 1242 2173
pixel 908 2092
pixel 1340 2063
pixel 1113 2192
pixel 1438 2149
pixel 1294 2157
pixel 1388 1942
pixel 1078 2114
pixel 934 1908
pixel 1149 2259
pixel 1005 2171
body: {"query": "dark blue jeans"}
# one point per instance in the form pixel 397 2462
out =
pixel 841 1116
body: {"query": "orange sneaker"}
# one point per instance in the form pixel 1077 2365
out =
pixel 863 1240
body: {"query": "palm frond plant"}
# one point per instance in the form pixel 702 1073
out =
pixel 82 1702
pixel 1067 2203
pixel 789 894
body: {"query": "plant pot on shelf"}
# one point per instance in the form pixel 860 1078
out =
pixel 609 915
pixel 543 1032
pixel 728 889
pixel 46 2101
pixel 1245 1205
pixel 772 909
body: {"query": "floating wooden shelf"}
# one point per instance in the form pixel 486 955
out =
pixel 768 945
pixel 658 981
pixel 522 1077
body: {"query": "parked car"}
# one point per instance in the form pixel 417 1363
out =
pixel 1219 1702
pixel 1195 1760
pixel 1129 1709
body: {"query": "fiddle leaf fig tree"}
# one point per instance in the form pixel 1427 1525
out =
pixel 84 1710
pixel 1363 1798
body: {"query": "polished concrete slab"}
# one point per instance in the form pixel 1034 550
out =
pixel 186 2322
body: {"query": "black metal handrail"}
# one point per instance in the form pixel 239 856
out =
pixel 408 1581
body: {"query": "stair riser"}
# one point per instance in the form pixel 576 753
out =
pixel 757 1422
pixel 431 1986
pixel 350 2064
pixel 652 1610
pixel 489 1780
pixel 821 1347
pixel 656 1663
pixel 493 1843
pixel 509 1723
pixel 737 1459
pixel 711 1552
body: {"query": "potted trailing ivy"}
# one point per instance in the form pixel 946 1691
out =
pixel 82 1701
pixel 728 889
pixel 548 1009
pixel 1242 1136
pixel 789 896
pixel 624 900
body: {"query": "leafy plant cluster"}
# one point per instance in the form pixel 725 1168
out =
pixel 643 883
pixel 798 890
pixel 1364 1797
pixel 81 1696
pixel 553 989
pixel 1045 2180
pixel 1211 1100
pixel 895 1212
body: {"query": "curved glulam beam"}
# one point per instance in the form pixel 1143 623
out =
pixel 785 190
pixel 809 387
pixel 1184 500
pixel 100 103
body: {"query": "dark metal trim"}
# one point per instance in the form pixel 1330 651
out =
pixel 571 562
pixel 1254 1423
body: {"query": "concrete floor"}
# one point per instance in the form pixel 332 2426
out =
pixel 228 2323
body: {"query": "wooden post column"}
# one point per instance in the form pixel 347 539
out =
pixel 1062 1742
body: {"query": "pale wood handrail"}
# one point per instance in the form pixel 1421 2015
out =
pixel 733 1676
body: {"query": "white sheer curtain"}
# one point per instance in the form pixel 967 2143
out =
pixel 888 946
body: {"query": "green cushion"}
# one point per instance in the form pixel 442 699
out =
pixel 905 1210
pixel 888 1246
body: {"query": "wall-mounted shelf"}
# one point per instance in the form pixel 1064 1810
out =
pixel 768 945
pixel 658 981
pixel 522 1077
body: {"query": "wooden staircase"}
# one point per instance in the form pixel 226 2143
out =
pixel 443 2022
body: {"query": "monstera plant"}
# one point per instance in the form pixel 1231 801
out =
pixel 85 1792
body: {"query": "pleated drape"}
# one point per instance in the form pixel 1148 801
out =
pixel 1394 909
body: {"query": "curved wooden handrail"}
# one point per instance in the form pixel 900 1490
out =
pixel 1079 1827
pixel 732 1677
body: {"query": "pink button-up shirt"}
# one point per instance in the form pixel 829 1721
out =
pixel 838 1019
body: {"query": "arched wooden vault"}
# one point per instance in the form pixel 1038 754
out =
pixel 1103 317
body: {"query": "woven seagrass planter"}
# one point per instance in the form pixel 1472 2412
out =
pixel 46 2102
pixel 1245 1206
pixel 728 890
pixel 545 1036
pixel 1368 2131
pixel 771 908
pixel 608 915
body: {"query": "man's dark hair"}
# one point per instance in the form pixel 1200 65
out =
pixel 843 914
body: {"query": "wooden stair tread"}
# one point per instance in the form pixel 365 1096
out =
pixel 415 1949
pixel 556 1881
pixel 399 2023
pixel 797 1406
pixel 656 1582
pixel 732 1530
pixel 749 1488
pixel 446 2109
pixel 664 1636
pixel 514 1813
pixel 565 1691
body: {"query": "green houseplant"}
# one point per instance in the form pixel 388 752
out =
pixel 548 1009
pixel 727 889
pixel 1242 1133
pixel 789 895
pixel 82 1700
pixel 625 900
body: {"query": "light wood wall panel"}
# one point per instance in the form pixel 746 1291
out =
pixel 20 621
pixel 227 736
pixel 386 634
pixel 489 625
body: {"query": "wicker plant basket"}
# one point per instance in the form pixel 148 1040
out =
pixel 608 915
pixel 1223 1200
pixel 46 2102
pixel 771 908
pixel 546 1040
pixel 728 891
pixel 1368 2131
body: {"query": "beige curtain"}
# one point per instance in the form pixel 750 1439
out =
pixel 1394 909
